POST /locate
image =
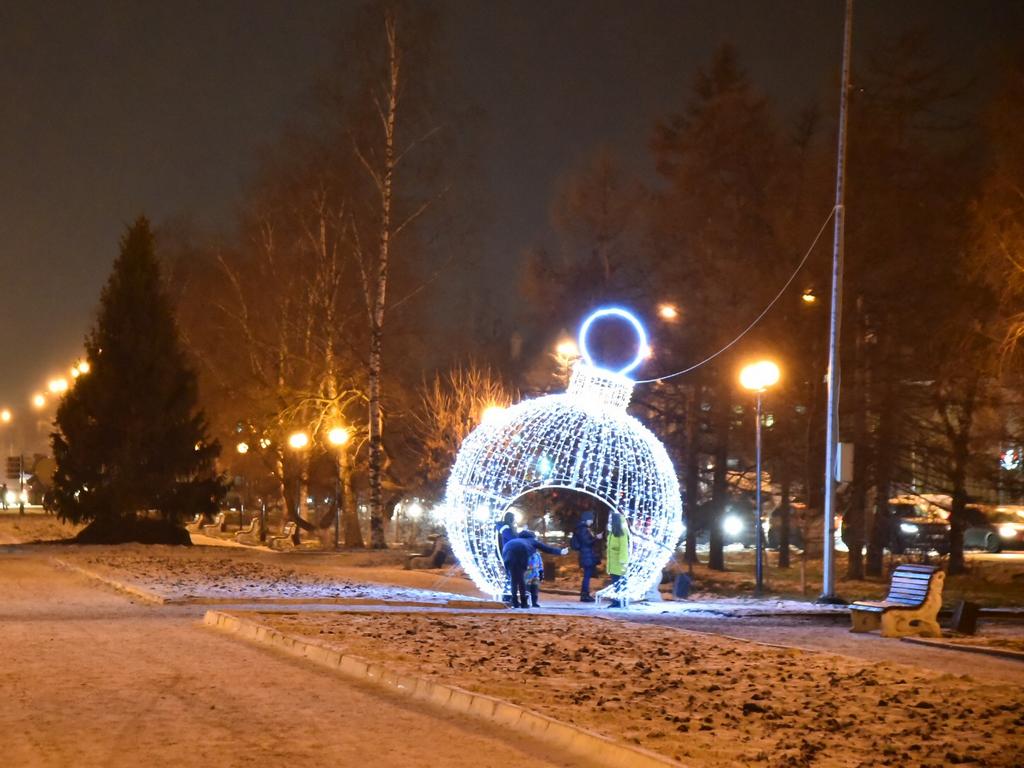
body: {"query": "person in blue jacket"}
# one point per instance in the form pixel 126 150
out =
pixel 583 540
pixel 516 555
pixel 504 532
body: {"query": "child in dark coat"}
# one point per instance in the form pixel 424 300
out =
pixel 534 576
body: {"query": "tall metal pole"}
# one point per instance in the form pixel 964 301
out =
pixel 759 527
pixel 828 588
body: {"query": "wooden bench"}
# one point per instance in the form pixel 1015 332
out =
pixel 251 533
pixel 285 540
pixel 195 524
pixel 910 608
pixel 217 526
pixel 434 558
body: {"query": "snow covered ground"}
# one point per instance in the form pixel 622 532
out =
pixel 90 680
pixel 707 701
pixel 179 573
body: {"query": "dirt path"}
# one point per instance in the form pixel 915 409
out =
pixel 88 678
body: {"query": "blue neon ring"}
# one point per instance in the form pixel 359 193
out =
pixel 628 317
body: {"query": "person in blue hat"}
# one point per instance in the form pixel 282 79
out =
pixel 583 541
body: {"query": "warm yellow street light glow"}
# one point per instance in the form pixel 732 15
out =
pixel 567 348
pixel 809 297
pixel 338 436
pixel 758 376
pixel 83 367
pixel 668 312
pixel 490 413
pixel 58 385
pixel 5 415
pixel 242 448
pixel 264 442
pixel 39 401
pixel 298 440
pixel 74 372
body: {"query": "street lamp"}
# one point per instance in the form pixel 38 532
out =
pixel 58 385
pixel 5 415
pixel 338 436
pixel 490 413
pixel 567 348
pixel 38 401
pixel 242 448
pixel 757 377
pixel 566 351
pixel 668 312
pixel 298 440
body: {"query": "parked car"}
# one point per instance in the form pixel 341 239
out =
pixel 916 526
pixel 993 530
pixel 737 524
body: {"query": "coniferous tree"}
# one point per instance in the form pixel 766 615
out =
pixel 130 437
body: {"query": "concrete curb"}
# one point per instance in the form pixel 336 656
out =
pixel 593 747
pixel 137 592
pixel 1004 653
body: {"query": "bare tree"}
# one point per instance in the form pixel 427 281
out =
pixel 386 146
pixel 450 407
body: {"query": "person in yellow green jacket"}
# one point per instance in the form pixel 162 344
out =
pixel 617 549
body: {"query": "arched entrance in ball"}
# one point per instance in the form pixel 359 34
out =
pixel 573 443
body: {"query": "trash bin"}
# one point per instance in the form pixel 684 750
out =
pixel 681 587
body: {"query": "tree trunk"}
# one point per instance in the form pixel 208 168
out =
pixel 692 471
pixel 720 478
pixel 353 534
pixel 883 475
pixel 856 512
pixel 785 485
pixel 282 490
pixel 814 480
pixel 957 524
pixel 378 539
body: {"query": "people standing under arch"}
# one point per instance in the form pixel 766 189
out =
pixel 583 540
pixel 617 550
pixel 516 555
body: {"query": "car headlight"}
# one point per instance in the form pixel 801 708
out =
pixel 732 525
pixel 1007 531
pixel 909 528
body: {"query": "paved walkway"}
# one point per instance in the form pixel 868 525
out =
pixel 88 678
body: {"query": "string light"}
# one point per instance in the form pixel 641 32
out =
pixel 580 440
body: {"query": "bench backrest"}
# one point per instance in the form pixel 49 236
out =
pixel 288 530
pixel 910 584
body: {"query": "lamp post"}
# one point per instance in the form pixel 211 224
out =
pixel 298 441
pixel 338 436
pixel 757 377
pixel 242 448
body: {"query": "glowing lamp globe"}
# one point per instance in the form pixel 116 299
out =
pixel 581 440
pixel 758 376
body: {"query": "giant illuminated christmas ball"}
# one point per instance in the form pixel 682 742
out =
pixel 581 440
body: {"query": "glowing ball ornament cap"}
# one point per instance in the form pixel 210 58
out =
pixel 581 440
pixel 629 317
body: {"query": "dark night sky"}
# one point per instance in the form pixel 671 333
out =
pixel 117 108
